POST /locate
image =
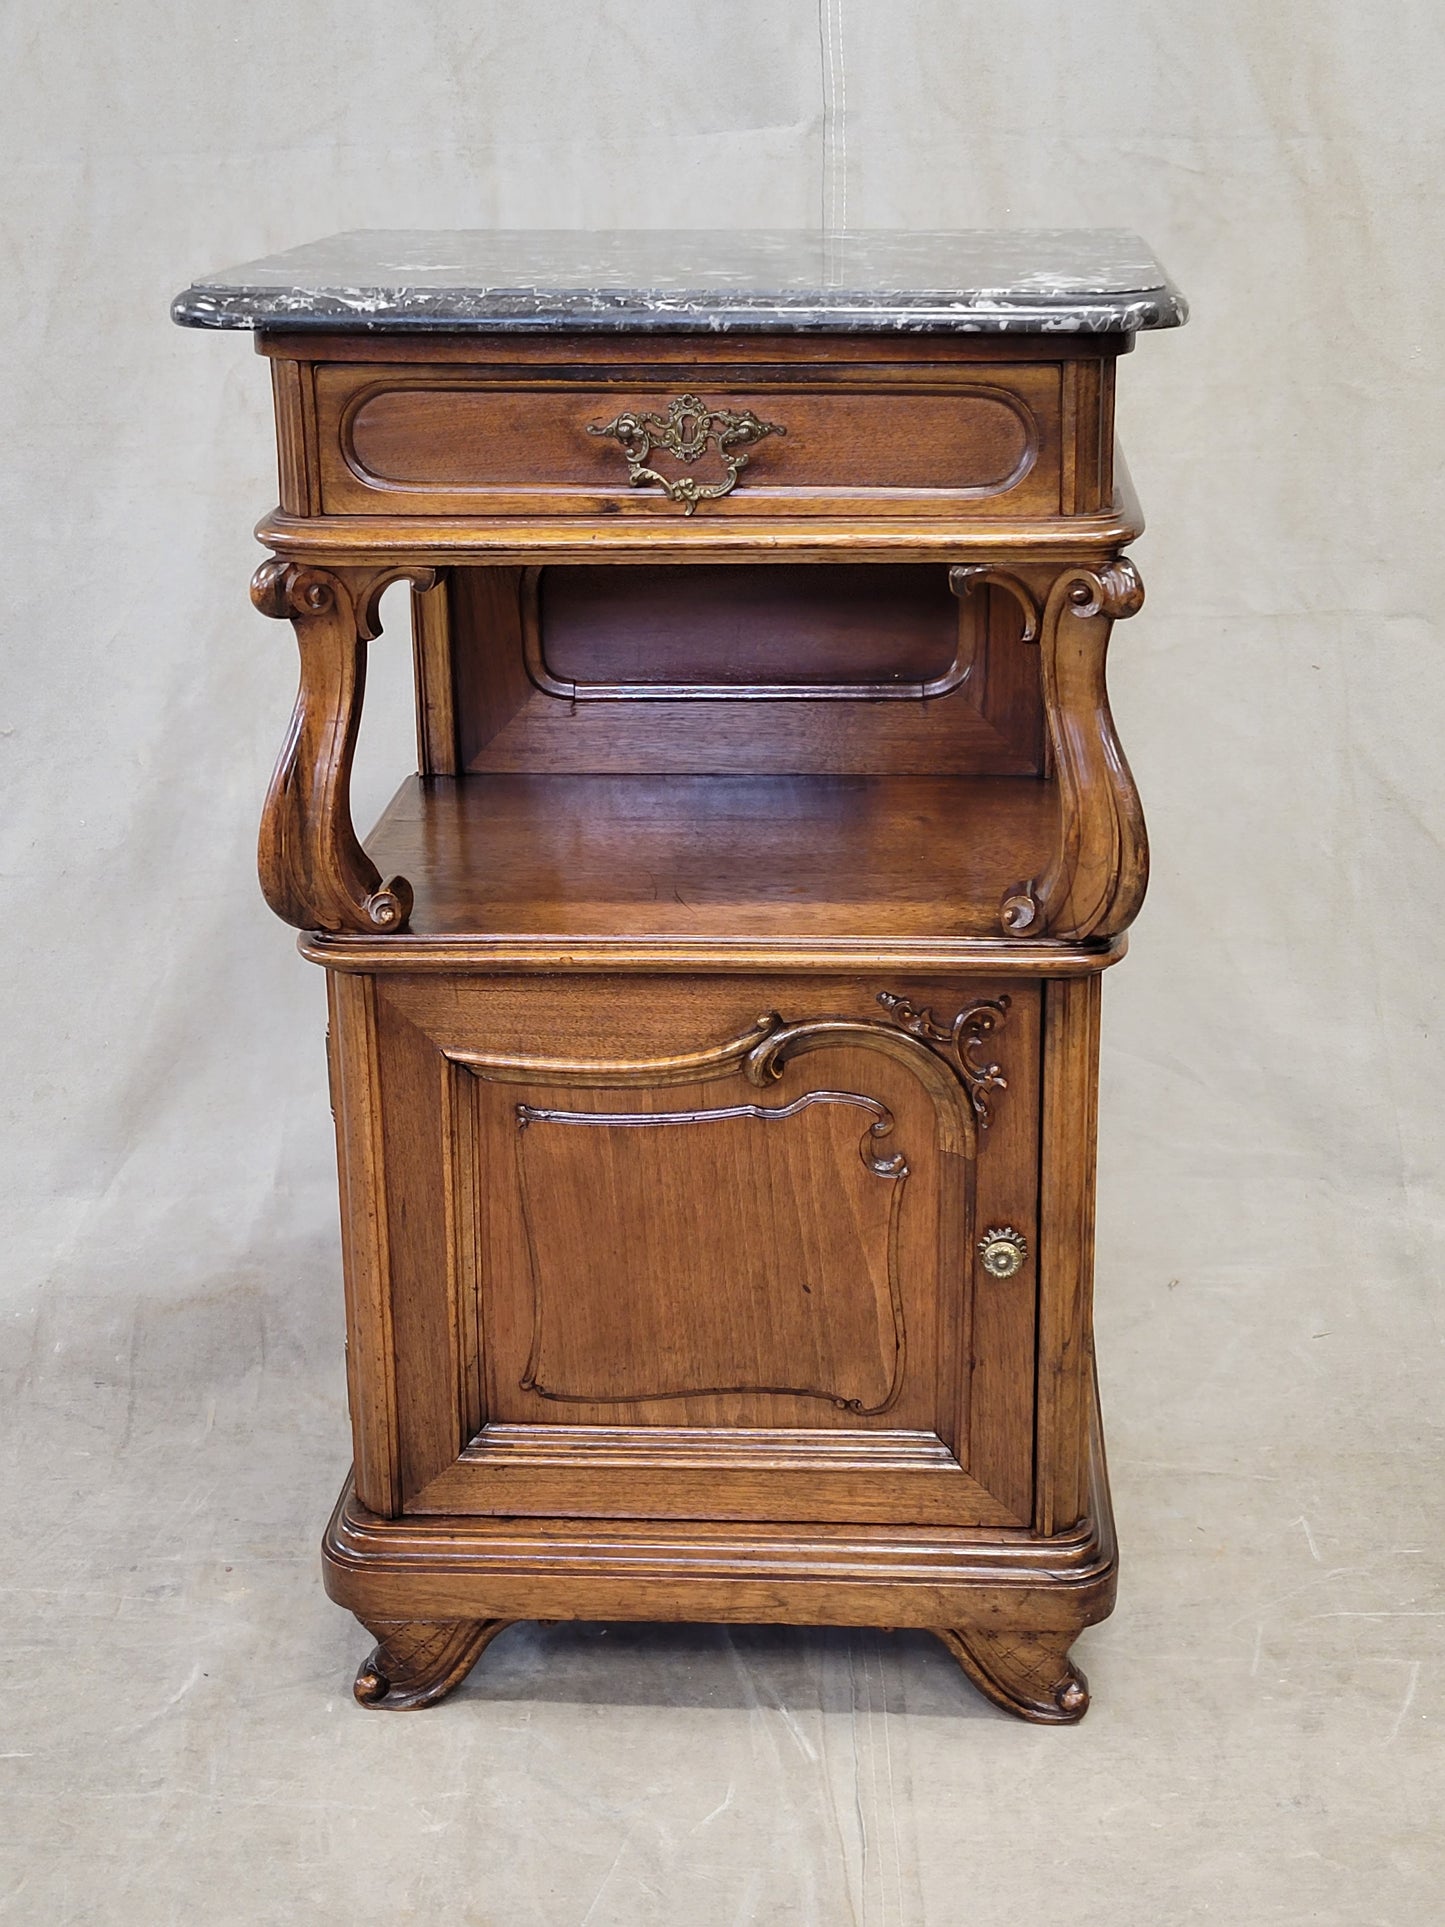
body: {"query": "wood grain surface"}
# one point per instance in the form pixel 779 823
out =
pixel 726 978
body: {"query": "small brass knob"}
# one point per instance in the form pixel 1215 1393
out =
pixel 1002 1250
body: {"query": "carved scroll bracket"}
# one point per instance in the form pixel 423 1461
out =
pixel 1097 877
pixel 967 576
pixel 314 872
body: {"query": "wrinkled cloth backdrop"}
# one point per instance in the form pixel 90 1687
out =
pixel 178 1733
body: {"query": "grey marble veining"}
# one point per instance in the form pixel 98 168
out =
pixel 971 281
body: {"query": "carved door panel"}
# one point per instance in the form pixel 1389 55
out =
pixel 699 1263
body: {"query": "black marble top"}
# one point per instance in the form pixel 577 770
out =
pixel 971 281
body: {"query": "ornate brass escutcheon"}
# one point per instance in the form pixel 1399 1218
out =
pixel 686 431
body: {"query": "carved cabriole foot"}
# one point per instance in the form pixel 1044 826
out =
pixel 417 1662
pixel 1029 1674
pixel 314 872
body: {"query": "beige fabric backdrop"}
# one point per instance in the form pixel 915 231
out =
pixel 1265 1742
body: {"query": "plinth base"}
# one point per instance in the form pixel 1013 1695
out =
pixel 1008 1605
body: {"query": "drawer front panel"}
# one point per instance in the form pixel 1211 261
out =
pixel 707 1250
pixel 445 443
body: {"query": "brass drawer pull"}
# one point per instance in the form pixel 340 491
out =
pixel 686 431
pixel 1002 1251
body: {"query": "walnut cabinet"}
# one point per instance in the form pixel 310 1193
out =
pixel 713 1016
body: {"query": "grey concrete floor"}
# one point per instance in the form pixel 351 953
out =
pixel 180 1744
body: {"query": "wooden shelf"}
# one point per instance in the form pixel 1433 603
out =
pixel 799 858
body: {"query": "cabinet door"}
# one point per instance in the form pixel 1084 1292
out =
pixel 672 1249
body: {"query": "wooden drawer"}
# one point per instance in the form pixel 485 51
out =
pixel 462 441
pixel 702 1251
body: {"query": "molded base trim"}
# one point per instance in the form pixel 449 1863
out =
pixel 938 1577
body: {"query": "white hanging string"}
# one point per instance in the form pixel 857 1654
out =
pixel 835 117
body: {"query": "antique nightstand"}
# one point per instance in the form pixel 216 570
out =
pixel 714 1016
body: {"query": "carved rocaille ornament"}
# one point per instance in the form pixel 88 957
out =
pixel 958 1043
pixel 314 872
